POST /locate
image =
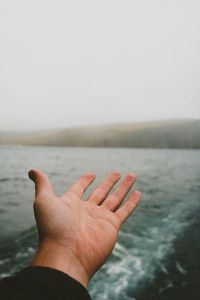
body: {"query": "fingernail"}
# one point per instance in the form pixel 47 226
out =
pixel 130 176
pixel 90 175
pixel 138 193
pixel 31 175
pixel 116 174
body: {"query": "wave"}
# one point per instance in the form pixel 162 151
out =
pixel 136 265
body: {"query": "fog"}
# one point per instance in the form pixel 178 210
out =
pixel 72 63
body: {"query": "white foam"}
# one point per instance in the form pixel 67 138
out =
pixel 180 268
pixel 3 261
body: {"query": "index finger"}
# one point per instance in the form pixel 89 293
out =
pixel 81 185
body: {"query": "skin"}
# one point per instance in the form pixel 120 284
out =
pixel 76 236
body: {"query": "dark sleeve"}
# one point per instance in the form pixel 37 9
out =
pixel 42 283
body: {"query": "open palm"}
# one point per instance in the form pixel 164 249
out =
pixel 85 230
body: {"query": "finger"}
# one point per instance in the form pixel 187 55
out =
pixel 126 210
pixel 113 201
pixel 41 180
pixel 100 193
pixel 81 185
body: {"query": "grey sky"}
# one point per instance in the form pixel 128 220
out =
pixel 69 63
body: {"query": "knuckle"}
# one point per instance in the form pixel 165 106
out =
pixel 113 198
pixel 119 218
pixel 117 221
pixel 130 177
pixel 77 188
pixel 70 193
pixel 35 204
pixel 100 192
pixel 128 207
pixel 117 194
pixel 109 205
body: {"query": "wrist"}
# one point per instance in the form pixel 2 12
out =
pixel 61 259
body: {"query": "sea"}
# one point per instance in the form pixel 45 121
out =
pixel 157 255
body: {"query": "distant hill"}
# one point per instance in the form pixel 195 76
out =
pixel 165 134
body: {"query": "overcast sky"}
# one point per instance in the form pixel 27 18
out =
pixel 70 63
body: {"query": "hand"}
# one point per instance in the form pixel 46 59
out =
pixel 77 236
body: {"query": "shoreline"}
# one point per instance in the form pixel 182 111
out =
pixel 165 134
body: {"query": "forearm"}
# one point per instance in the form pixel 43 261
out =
pixel 61 259
pixel 42 283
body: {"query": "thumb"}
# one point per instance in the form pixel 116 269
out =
pixel 41 180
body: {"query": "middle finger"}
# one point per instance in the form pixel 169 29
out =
pixel 113 201
pixel 101 192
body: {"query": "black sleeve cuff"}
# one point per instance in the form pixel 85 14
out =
pixel 45 283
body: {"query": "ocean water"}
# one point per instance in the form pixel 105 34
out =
pixel 170 182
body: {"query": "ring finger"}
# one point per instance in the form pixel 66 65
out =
pixel 114 201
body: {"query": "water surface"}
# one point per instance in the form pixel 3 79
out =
pixel 169 180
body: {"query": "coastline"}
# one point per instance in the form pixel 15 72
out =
pixel 177 134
